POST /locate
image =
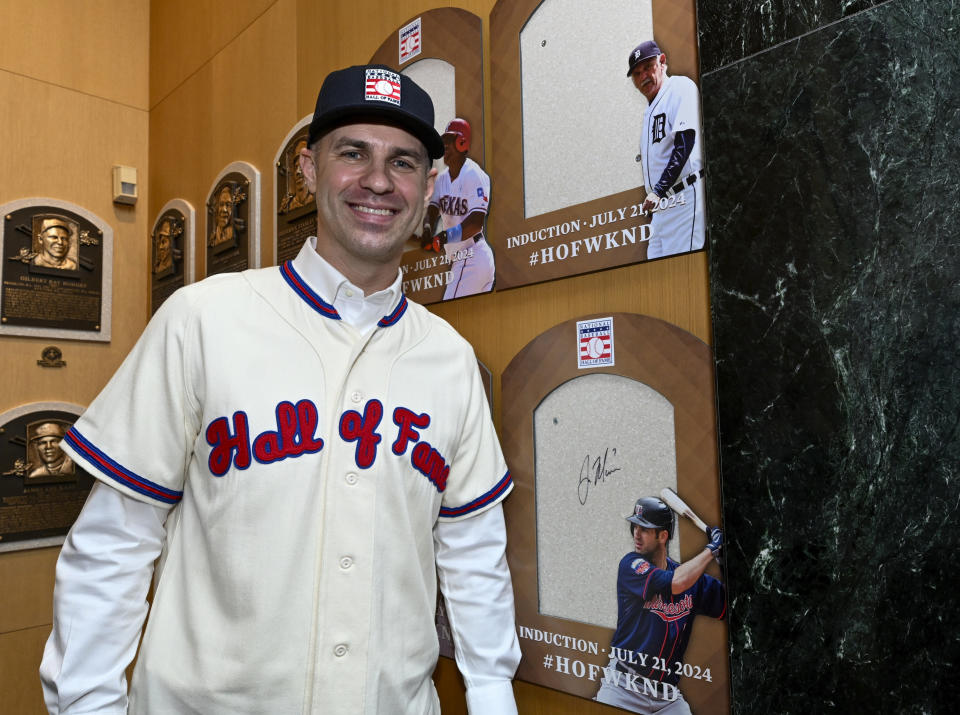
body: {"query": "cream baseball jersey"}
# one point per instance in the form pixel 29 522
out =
pixel 675 109
pixel 305 468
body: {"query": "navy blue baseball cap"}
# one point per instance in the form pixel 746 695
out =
pixel 377 93
pixel 643 51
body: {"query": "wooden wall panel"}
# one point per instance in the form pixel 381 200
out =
pixel 186 34
pixel 98 47
pixel 61 143
pixel 26 598
pixel 20 654
pixel 236 107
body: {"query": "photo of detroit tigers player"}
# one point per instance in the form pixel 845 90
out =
pixel 657 600
pixel 461 199
pixel 671 153
pixel 311 452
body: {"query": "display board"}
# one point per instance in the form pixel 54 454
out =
pixel 604 411
pixel 577 144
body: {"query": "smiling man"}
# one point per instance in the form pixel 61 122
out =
pixel 54 243
pixel 273 432
pixel 672 154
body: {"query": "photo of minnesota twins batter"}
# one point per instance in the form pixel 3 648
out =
pixel 671 153
pixel 461 199
pixel 308 452
pixel 657 600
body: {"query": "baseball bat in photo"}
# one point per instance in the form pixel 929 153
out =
pixel 672 500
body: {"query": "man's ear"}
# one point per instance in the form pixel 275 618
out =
pixel 431 183
pixel 309 169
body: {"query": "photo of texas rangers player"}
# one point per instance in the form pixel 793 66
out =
pixel 657 600
pixel 461 199
pixel 671 152
pixel 311 452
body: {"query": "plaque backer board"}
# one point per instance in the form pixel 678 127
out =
pixel 441 50
pixel 72 303
pixel 41 490
pixel 172 266
pixel 294 207
pixel 569 182
pixel 583 444
pixel 235 245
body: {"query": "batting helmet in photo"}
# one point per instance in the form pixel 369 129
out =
pixel 652 513
pixel 460 128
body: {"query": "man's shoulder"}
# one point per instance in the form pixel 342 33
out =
pixel 682 86
pixel 436 328
pixel 220 289
pixel 472 167
pixel 633 562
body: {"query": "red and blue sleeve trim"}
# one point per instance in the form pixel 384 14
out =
pixel 499 489
pixel 301 288
pixel 117 472
pixel 388 320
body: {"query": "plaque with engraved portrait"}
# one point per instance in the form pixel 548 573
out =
pixel 233 220
pixel 41 489
pixel 171 251
pixel 295 205
pixel 56 268
pixel 227 221
pixel 166 274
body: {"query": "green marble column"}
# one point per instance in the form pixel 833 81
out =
pixel 832 134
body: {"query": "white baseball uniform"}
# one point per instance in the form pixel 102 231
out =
pixel 471 258
pixel 308 464
pixel 678 226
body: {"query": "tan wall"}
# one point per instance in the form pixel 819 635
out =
pixel 224 81
pixel 73 102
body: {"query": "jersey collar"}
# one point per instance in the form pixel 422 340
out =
pixel 311 278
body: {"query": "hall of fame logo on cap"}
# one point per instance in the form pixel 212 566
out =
pixel 594 342
pixel 382 86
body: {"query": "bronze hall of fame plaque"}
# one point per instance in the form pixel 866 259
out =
pixel 56 269
pixel 41 489
pixel 233 220
pixel 294 206
pixel 167 266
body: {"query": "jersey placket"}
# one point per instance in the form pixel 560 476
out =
pixel 344 572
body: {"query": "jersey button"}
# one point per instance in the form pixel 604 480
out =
pixel 340 650
pixel 351 478
pixel 346 562
pixel 356 396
